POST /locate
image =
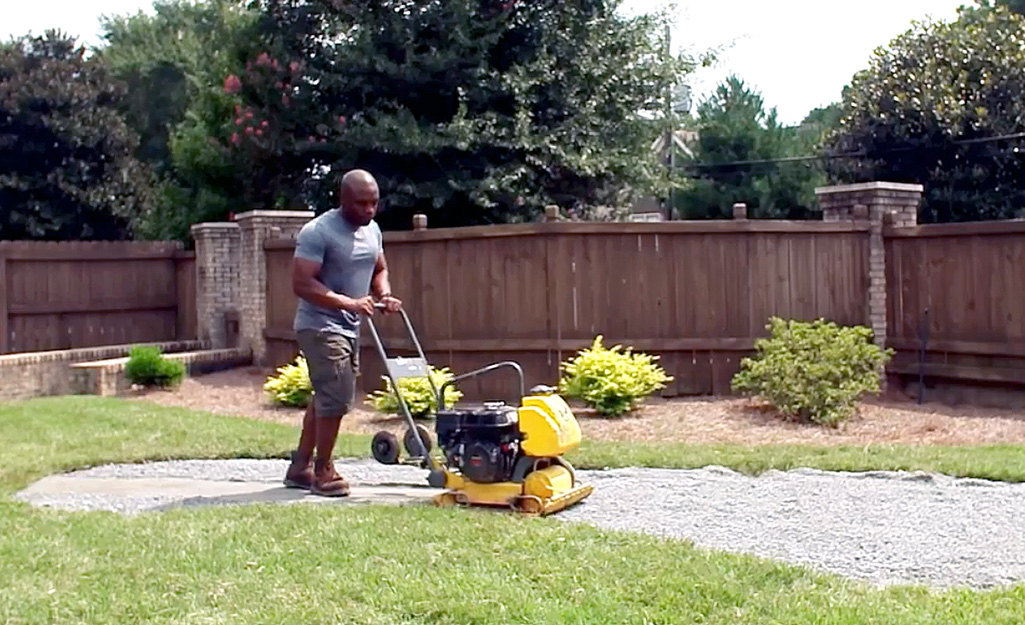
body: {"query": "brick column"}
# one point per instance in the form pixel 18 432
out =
pixel 256 227
pixel 879 203
pixel 217 248
pixel 900 200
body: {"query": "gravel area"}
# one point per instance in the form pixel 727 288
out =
pixel 878 527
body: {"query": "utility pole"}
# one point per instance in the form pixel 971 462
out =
pixel 668 159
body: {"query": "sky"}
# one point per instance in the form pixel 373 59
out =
pixel 798 53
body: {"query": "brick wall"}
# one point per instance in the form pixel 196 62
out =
pixel 34 374
pixel 231 275
pixel 251 295
pixel 107 377
pixel 217 276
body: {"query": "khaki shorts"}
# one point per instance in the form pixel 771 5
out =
pixel 333 360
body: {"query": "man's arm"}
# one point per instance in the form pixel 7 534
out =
pixel 305 285
pixel 380 286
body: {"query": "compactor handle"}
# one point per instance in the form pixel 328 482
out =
pixel 482 371
pixel 384 355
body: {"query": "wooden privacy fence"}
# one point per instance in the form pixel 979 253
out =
pixel 959 291
pixel 696 293
pixel 64 295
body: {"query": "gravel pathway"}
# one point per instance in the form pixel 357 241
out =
pixel 879 527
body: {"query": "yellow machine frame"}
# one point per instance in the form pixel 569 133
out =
pixel 544 482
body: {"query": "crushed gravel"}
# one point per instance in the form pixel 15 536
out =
pixel 879 527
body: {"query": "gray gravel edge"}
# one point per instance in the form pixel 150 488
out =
pixel 878 527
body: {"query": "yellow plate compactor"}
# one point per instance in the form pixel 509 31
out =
pixel 493 454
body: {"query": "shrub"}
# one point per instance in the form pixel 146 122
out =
pixel 291 386
pixel 147 366
pixel 417 393
pixel 611 380
pixel 814 371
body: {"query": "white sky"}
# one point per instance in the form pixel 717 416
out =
pixel 798 53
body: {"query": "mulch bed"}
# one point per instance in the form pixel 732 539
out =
pixel 238 392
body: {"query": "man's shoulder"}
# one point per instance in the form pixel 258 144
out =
pixel 311 228
pixel 317 223
pixel 375 229
pixel 326 227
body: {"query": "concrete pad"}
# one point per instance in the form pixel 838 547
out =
pixel 140 494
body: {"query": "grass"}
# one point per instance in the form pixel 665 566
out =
pixel 340 564
pixel 993 462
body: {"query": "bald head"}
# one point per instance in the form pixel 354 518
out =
pixel 359 197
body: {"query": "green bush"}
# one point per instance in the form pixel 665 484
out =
pixel 611 380
pixel 291 386
pixel 814 371
pixel 147 366
pixel 417 393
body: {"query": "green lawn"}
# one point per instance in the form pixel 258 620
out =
pixel 337 564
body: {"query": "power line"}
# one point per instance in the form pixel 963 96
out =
pixel 861 154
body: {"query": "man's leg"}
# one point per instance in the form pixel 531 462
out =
pixel 333 377
pixel 300 473
pixel 308 438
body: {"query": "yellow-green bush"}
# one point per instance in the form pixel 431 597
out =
pixel 417 393
pixel 147 366
pixel 611 379
pixel 291 386
pixel 814 371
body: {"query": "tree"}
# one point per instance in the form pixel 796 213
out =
pixel 734 128
pixel 174 62
pixel 472 111
pixel 927 111
pixel 816 126
pixel 1018 6
pixel 167 58
pixel 67 169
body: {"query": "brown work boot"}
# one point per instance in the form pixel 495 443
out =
pixel 300 473
pixel 327 482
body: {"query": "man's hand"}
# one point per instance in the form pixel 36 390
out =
pixel 391 304
pixel 364 305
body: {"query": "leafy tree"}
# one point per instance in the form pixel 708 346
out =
pixel 472 111
pixel 167 58
pixel 1018 6
pixel 174 62
pixel 816 126
pixel 734 129
pixel 67 169
pixel 927 108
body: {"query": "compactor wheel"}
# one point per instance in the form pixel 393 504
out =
pixel 385 447
pixel 409 440
pixel 446 500
pixel 529 504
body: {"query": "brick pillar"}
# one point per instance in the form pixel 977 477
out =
pixel 900 200
pixel 217 248
pixel 256 227
pixel 879 203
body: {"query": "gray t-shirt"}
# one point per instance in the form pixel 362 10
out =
pixel 347 255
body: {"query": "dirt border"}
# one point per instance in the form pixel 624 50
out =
pixel 238 392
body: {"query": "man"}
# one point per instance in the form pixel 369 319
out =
pixel 338 261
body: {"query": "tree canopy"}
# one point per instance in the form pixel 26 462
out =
pixel 67 169
pixel 736 159
pixel 173 64
pixel 472 111
pixel 930 109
